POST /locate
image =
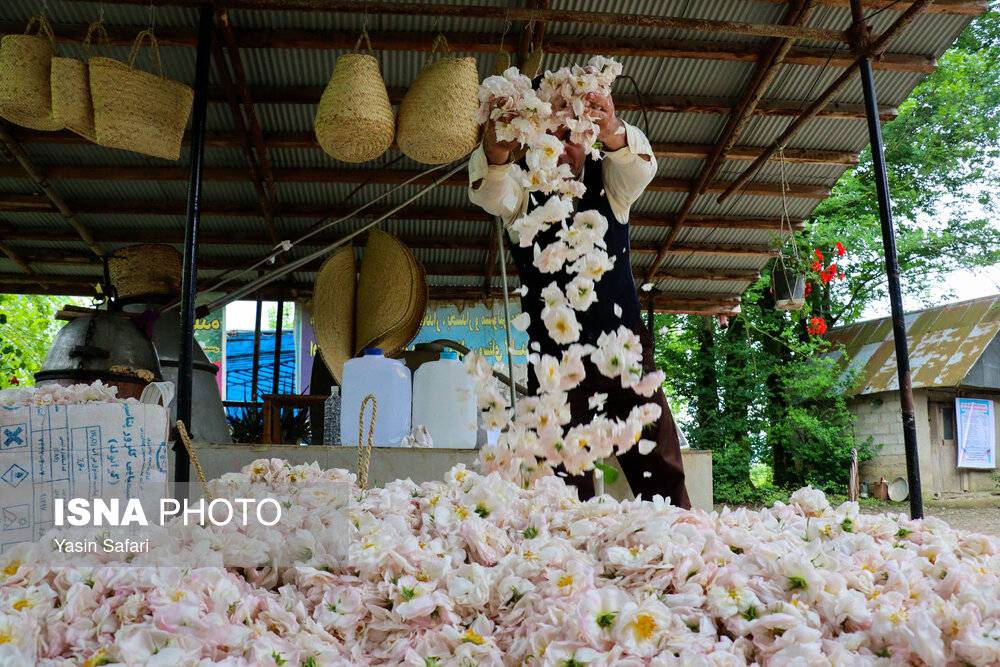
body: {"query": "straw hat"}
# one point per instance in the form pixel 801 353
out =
pixel 383 308
pixel 333 309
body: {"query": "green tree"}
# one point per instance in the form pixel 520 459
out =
pixel 778 396
pixel 27 326
pixel 287 316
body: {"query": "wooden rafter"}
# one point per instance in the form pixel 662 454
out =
pixel 478 243
pixel 388 40
pixel 227 174
pixel 475 11
pixel 765 71
pixel 32 203
pixel 878 46
pixel 306 140
pixel 29 168
pixel 84 285
pixel 242 139
pixel 233 51
pixel 960 7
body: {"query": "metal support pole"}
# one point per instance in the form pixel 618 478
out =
pixel 276 384
pixel 895 293
pixel 506 313
pixel 255 372
pixel 189 282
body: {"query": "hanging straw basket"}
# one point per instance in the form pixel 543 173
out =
pixel 355 122
pixel 141 270
pixel 437 117
pixel 25 71
pixel 136 110
pixel 72 106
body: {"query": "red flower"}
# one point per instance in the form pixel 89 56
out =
pixel 829 273
pixel 817 266
pixel 13 380
pixel 816 326
pixel 809 288
pixel 841 251
pixel 819 255
pixel 840 276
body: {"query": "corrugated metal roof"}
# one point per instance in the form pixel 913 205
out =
pixel 929 35
pixel 944 343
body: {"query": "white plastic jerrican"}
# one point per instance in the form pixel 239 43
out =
pixel 444 401
pixel 389 381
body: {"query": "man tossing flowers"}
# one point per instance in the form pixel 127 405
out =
pixel 561 170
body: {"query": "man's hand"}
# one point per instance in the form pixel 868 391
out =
pixel 607 121
pixel 498 152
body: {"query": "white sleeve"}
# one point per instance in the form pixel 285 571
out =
pixel 627 171
pixel 498 194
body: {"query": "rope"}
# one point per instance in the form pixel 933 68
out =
pixel 186 439
pixel 365 453
pixel 785 218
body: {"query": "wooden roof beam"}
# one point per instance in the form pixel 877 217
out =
pixel 32 203
pixel 826 97
pixel 242 137
pixel 765 71
pixel 223 174
pixel 29 168
pixel 653 103
pixel 473 11
pixel 84 286
pixel 468 42
pixel 469 270
pixel 959 7
pixel 304 140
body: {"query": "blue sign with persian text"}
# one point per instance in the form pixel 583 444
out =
pixel 479 327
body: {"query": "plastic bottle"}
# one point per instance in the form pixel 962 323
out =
pixel 389 381
pixel 331 417
pixel 444 401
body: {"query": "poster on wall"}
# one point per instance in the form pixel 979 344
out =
pixel 479 327
pixel 210 334
pixel 976 433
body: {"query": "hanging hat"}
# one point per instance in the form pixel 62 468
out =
pixel 333 309
pixel 383 308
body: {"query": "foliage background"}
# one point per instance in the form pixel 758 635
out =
pixel 766 396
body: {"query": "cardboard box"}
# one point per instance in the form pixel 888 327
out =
pixel 102 450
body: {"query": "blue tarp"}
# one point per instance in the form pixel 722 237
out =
pixel 239 364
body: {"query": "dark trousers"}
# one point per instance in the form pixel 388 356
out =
pixel 664 463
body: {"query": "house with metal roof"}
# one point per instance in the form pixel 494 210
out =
pixel 954 355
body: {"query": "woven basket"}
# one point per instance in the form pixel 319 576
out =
pixel 141 270
pixel 136 110
pixel 437 117
pixel 72 106
pixel 355 122
pixel 25 70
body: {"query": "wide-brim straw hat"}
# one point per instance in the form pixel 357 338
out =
pixel 333 310
pixel 383 308
pixel 391 292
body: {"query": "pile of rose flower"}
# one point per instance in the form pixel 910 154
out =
pixel 477 571
pixel 53 394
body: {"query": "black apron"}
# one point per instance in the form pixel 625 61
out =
pixel 666 471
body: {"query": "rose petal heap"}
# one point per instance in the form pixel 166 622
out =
pixel 53 394
pixel 476 570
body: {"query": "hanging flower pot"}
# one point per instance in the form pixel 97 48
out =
pixel 789 289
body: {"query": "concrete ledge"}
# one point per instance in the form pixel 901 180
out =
pixel 420 465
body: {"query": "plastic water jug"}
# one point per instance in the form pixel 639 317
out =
pixel 444 401
pixel 389 381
